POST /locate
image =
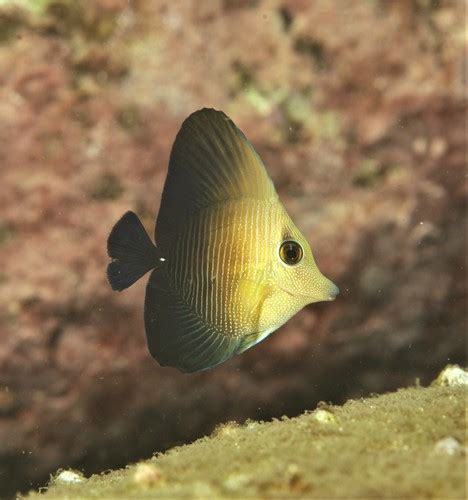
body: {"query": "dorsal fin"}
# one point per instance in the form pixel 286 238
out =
pixel 211 162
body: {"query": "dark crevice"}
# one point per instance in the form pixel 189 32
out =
pixel 286 18
pixel 313 49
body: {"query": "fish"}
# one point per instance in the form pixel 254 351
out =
pixel 228 266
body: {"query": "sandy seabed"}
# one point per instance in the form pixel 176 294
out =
pixel 406 444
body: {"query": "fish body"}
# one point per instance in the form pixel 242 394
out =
pixel 229 266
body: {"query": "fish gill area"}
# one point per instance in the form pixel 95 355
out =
pixel 357 109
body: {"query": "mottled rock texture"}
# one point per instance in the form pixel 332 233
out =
pixel 357 108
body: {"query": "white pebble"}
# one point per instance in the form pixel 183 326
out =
pixel 236 482
pixel 324 416
pixel 69 476
pixel 147 475
pixel 448 446
pixel 452 375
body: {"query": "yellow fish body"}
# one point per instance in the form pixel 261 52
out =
pixel 230 266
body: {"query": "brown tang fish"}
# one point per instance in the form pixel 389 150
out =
pixel 229 265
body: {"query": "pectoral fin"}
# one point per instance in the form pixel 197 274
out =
pixel 252 295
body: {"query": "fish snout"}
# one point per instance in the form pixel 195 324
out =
pixel 333 292
pixel 325 290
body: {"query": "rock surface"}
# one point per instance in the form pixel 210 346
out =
pixel 364 137
pixel 408 444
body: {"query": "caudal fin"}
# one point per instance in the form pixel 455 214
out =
pixel 132 251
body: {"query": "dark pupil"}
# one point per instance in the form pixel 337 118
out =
pixel 291 253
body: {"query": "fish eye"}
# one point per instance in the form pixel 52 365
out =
pixel 291 252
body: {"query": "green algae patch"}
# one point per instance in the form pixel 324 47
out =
pixel 407 444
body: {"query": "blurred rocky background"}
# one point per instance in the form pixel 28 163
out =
pixel 357 108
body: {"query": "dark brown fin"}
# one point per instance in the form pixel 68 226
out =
pixel 132 252
pixel 211 162
pixel 176 336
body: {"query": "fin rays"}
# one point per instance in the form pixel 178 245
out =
pixel 176 336
pixel 211 162
pixel 132 251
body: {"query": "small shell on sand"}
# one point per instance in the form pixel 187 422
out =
pixel 448 446
pixel 68 477
pixel 452 375
pixel 325 416
pixel 147 475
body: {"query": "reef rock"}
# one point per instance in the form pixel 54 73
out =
pixel 364 137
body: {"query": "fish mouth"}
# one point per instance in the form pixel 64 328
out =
pixel 333 292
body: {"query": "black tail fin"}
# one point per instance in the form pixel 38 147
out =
pixel 132 251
